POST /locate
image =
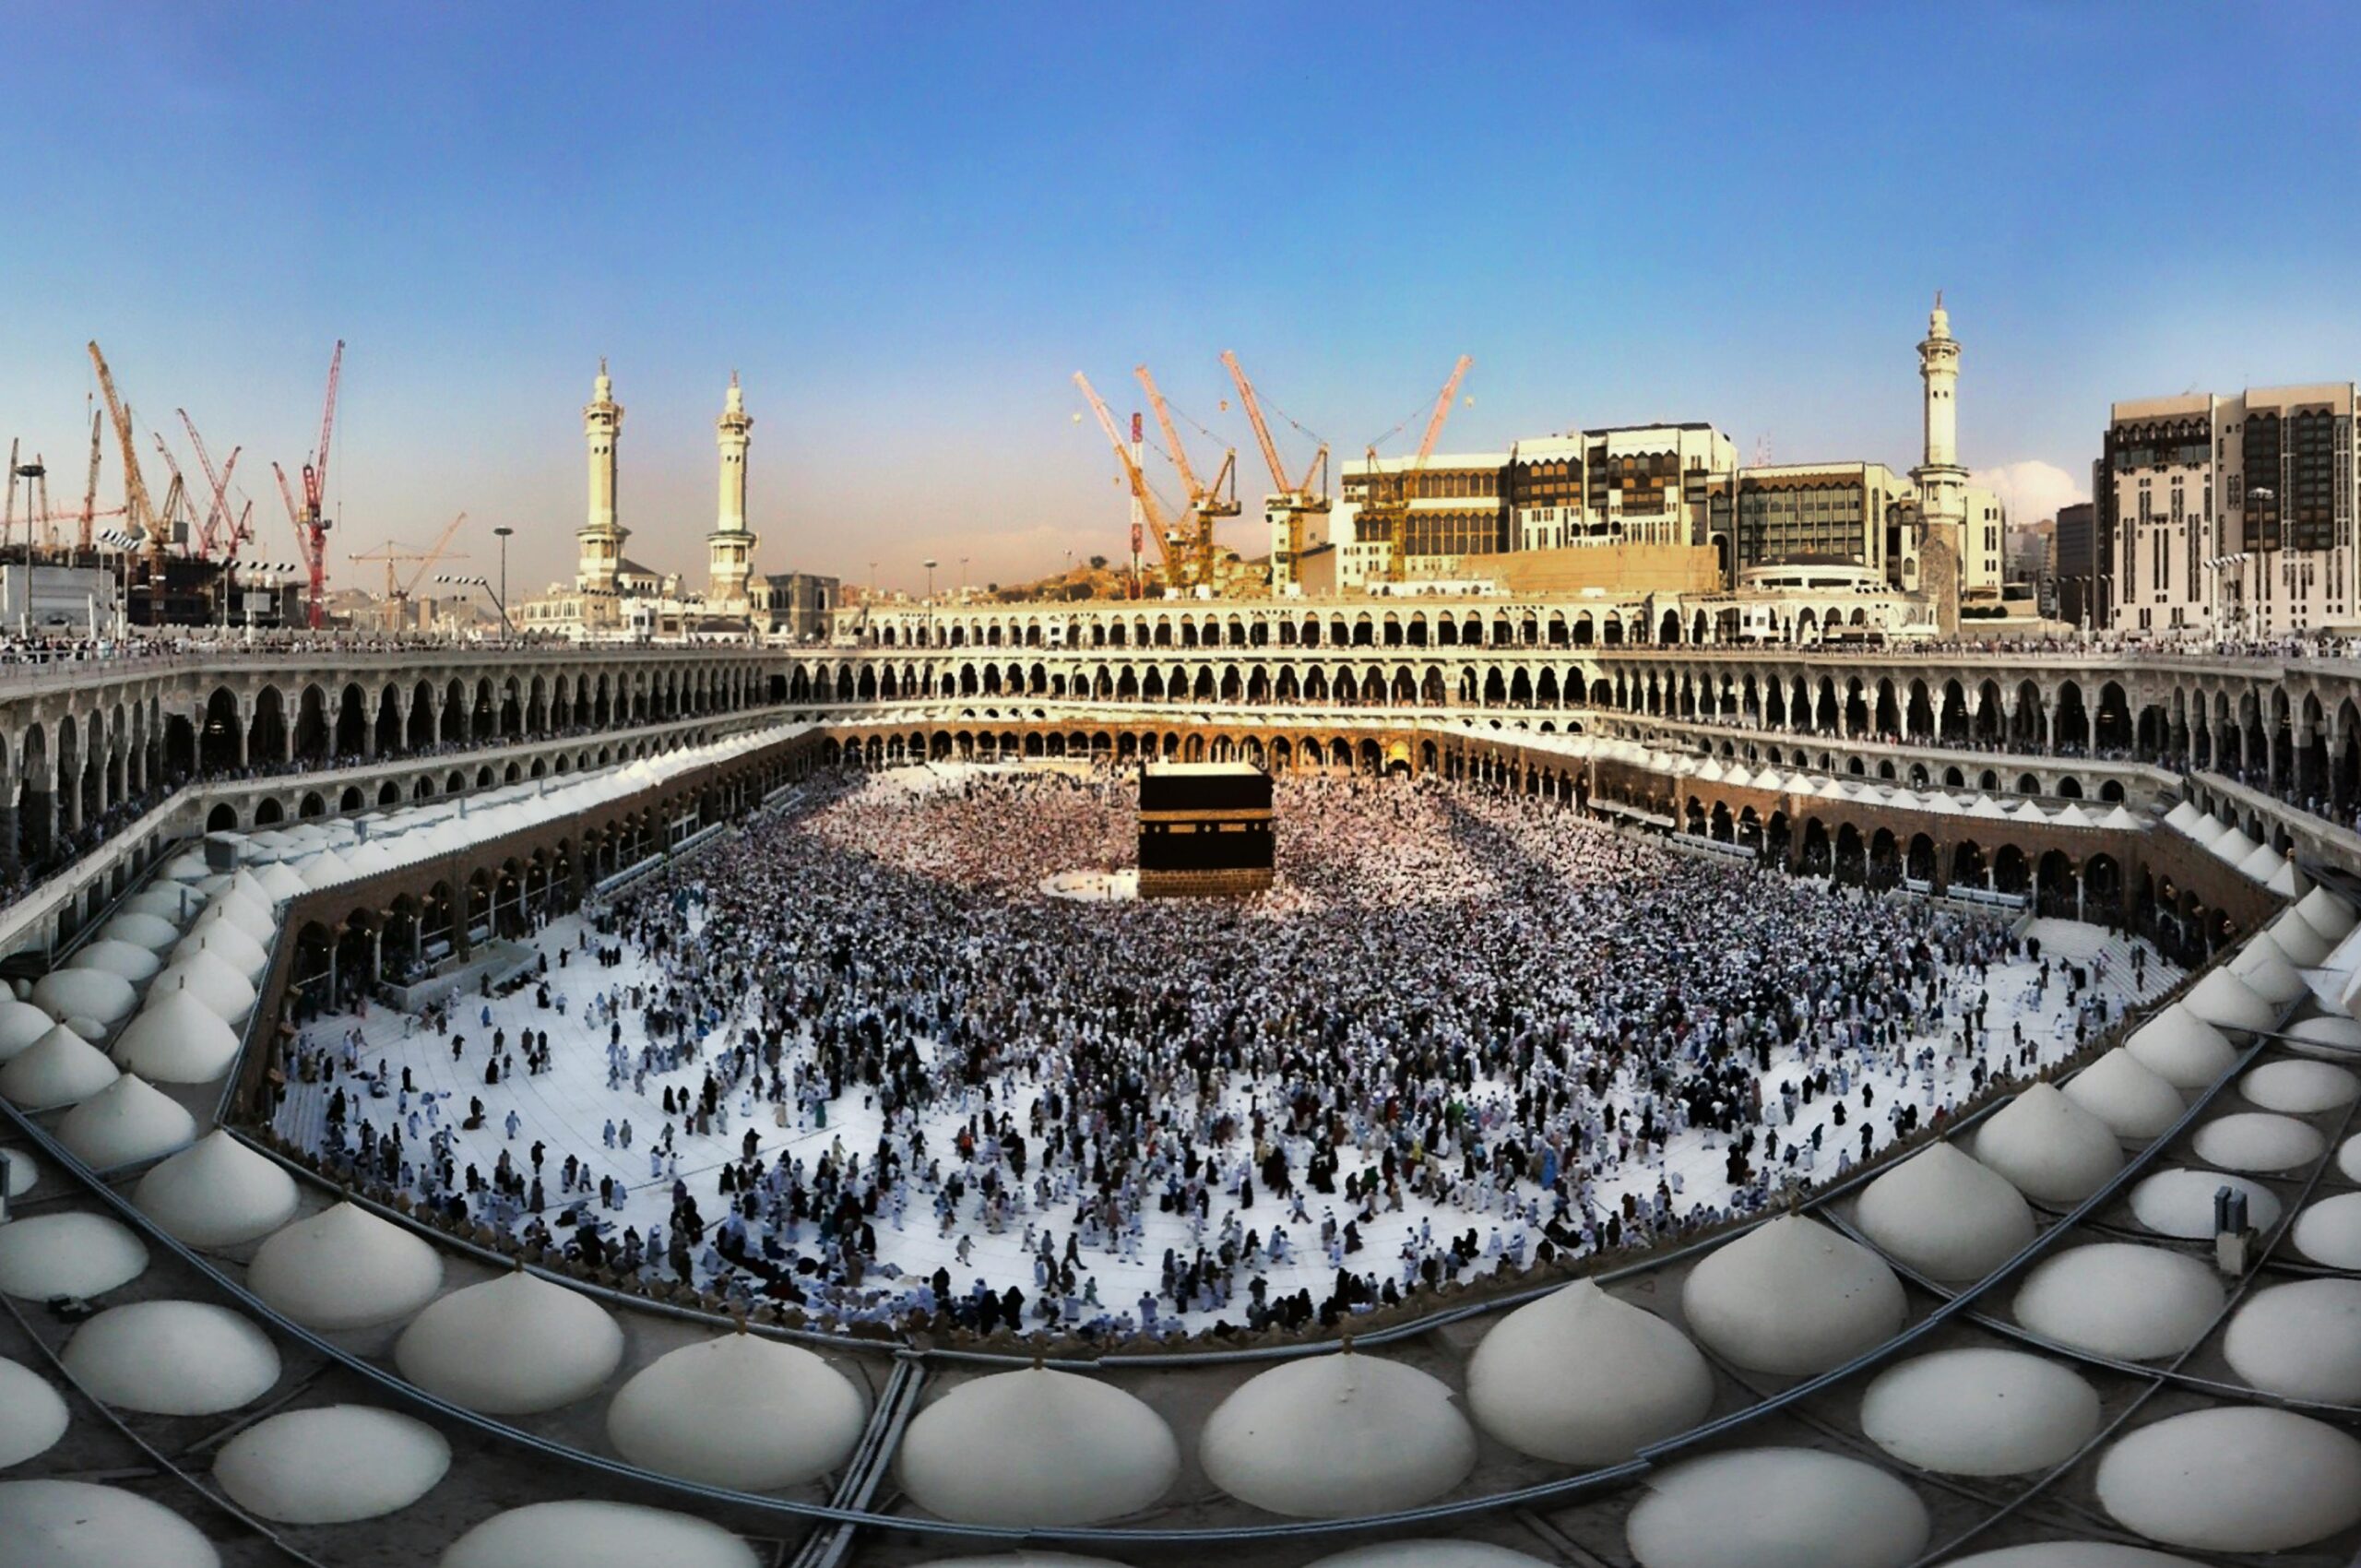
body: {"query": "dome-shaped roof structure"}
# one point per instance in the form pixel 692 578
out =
pixel 2180 1203
pixel 1331 1436
pixel 32 1417
pixel 1429 1554
pixel 744 1412
pixel 2231 1005
pixel 85 993
pixel 1980 1412
pixel 60 1068
pixel 1792 1296
pixel 1037 1447
pixel 248 957
pixel 2181 1048
pixel 2232 847
pixel 596 1534
pixel 252 915
pixel 1582 1377
pixel 2263 965
pixel 21 1023
pixel 1022 1560
pixel 2050 1148
pixel 216 1194
pixel 324 870
pixel 174 901
pixel 177 1040
pixel 126 960
pixel 2300 1340
pixel 46 1524
pixel 2330 1037
pixel 1776 1508
pixel 1944 1214
pixel 2261 862
pixel 2120 1299
pixel 23 1171
pixel 130 1120
pixel 212 980
pixel 282 881
pixel 2348 1158
pixel 2300 1089
pixel 2329 1231
pixel 345 1268
pixel 43 1256
pixel 172 1358
pixel 2259 1140
pixel 511 1346
pixel 152 932
pixel 2305 946
pixel 2327 913
pixel 2234 1478
pixel 2136 1102
pixel 2183 816
pixel 331 1464
pixel 2074 1554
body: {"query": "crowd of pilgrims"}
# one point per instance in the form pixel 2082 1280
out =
pixel 1459 1035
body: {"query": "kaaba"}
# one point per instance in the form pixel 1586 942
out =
pixel 1205 830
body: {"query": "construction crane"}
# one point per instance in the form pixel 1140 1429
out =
pixel 1171 537
pixel 1290 500
pixel 310 526
pixel 1389 505
pixel 209 534
pixel 392 551
pixel 1207 504
pixel 176 496
pixel 137 511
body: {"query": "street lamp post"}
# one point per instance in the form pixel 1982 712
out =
pixel 501 533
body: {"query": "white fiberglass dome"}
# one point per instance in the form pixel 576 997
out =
pixel 2330 1037
pixel 2259 1140
pixel 2329 915
pixel 344 1267
pixel 2135 1102
pixel 2303 944
pixel 22 1171
pixel 1581 1377
pixel 250 915
pixel 2049 1148
pixel 129 1121
pixel 511 1346
pixel 177 1040
pixel 169 901
pixel 1037 1447
pixel 211 979
pixel 2300 1089
pixel 1792 1296
pixel 1776 1508
pixel 2180 1203
pixel 44 1257
pixel 21 1023
pixel 2300 1340
pixel 32 1417
pixel 594 1534
pixel 47 1523
pixel 2329 1231
pixel 124 960
pixel 84 994
pixel 2120 1299
pixel 1980 1412
pixel 172 1358
pixel 2234 1478
pixel 2073 1554
pixel 2181 1048
pixel 60 1068
pixel 282 881
pixel 744 1412
pixel 1429 1554
pixel 331 1464
pixel 2230 1004
pixel 229 944
pixel 1944 1214
pixel 1331 1436
pixel 2263 965
pixel 152 932
pixel 216 1194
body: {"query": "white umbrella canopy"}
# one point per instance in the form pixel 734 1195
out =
pixel 2230 1004
pixel 345 1268
pixel 1332 1436
pixel 2049 1148
pixel 1037 1447
pixel 217 1193
pixel 1945 1215
pixel 1792 1296
pixel 129 1121
pixel 152 932
pixel 2264 965
pixel 740 1411
pixel 2181 1048
pixel 511 1346
pixel 2329 915
pixel 211 980
pixel 126 960
pixel 1581 1377
pixel 85 993
pixel 226 942
pixel 60 1068
pixel 2135 1102
pixel 177 1040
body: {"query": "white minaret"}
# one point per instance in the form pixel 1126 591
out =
pixel 729 549
pixel 1942 483
pixel 601 538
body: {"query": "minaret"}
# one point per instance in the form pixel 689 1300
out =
pixel 600 538
pixel 729 549
pixel 1942 483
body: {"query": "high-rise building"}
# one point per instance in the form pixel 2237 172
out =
pixel 2229 514
pixel 2076 565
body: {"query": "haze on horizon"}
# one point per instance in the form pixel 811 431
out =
pixel 906 227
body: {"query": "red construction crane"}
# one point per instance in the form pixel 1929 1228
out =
pixel 210 532
pixel 1406 489
pixel 1290 499
pixel 1170 536
pixel 1209 505
pixel 312 528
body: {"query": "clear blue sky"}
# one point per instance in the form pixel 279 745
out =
pixel 906 227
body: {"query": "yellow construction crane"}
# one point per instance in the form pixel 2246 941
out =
pixel 1207 504
pixel 1291 500
pixel 392 551
pixel 1388 504
pixel 138 512
pixel 1172 539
